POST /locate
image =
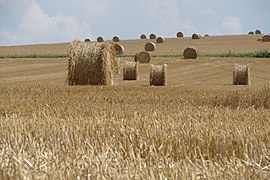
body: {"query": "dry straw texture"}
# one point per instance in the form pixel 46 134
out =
pixel 100 39
pixel 150 46
pixel 251 33
pixel 266 38
pixel 87 40
pixel 130 71
pixel 91 64
pixel 143 36
pixel 116 39
pixel 258 31
pixel 241 75
pixel 119 48
pixel 158 75
pixel 196 36
pixel 180 34
pixel 160 40
pixel 117 65
pixel 142 57
pixel 190 53
pixel 153 36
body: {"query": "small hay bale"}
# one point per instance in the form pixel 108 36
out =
pixel 160 40
pixel 142 57
pixel 153 36
pixel 119 49
pixel 251 33
pixel 158 74
pixel 100 39
pixel 116 39
pixel 190 53
pixel 196 36
pixel 91 64
pixel 150 46
pixel 266 38
pixel 143 36
pixel 207 35
pixel 179 34
pixel 130 71
pixel 258 31
pixel 241 75
pixel 87 40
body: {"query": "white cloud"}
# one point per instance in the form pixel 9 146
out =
pixel 231 25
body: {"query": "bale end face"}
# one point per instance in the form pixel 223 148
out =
pixel 160 40
pixel 116 39
pixel 266 38
pixel 241 75
pixel 119 49
pixel 143 36
pixel 150 46
pixel 196 36
pixel 100 39
pixel 158 75
pixel 251 33
pixel 258 31
pixel 153 36
pixel 142 57
pixel 130 71
pixel 87 40
pixel 190 53
pixel 180 34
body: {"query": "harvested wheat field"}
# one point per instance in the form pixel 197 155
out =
pixel 198 126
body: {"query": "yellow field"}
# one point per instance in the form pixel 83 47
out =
pixel 198 127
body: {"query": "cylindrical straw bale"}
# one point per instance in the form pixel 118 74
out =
pixel 143 36
pixel 116 39
pixel 160 40
pixel 119 49
pixel 190 53
pixel 150 46
pixel 130 71
pixel 87 40
pixel 180 34
pixel 100 39
pixel 91 64
pixel 196 36
pixel 241 75
pixel 153 36
pixel 266 38
pixel 207 35
pixel 142 57
pixel 258 31
pixel 158 75
pixel 251 33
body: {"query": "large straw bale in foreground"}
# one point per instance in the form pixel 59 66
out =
pixel 150 46
pixel 142 57
pixel 266 38
pixel 130 71
pixel 241 75
pixel 91 64
pixel 190 53
pixel 158 75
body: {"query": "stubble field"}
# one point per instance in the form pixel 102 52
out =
pixel 200 126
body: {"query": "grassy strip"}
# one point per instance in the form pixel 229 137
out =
pixel 260 54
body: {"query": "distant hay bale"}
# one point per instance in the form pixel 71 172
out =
pixel 258 31
pixel 179 34
pixel 116 39
pixel 130 71
pixel 251 33
pixel 142 57
pixel 196 36
pixel 87 40
pixel 119 49
pixel 91 64
pixel 153 36
pixel 158 75
pixel 100 39
pixel 207 35
pixel 266 38
pixel 241 75
pixel 150 46
pixel 143 36
pixel 190 53
pixel 160 40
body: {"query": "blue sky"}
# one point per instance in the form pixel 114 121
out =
pixel 53 21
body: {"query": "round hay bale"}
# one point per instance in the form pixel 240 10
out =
pixel 142 57
pixel 150 46
pixel 153 36
pixel 116 39
pixel 190 53
pixel 160 40
pixel 251 33
pixel 196 36
pixel 143 36
pixel 130 71
pixel 119 49
pixel 100 39
pixel 241 75
pixel 87 40
pixel 91 64
pixel 158 75
pixel 266 38
pixel 258 31
pixel 207 35
pixel 179 34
